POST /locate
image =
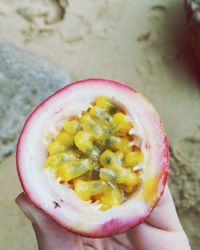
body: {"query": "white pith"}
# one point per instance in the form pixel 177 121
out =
pixel 41 184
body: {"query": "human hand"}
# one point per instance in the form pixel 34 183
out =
pixel 161 231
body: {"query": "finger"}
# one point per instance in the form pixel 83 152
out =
pixel 145 237
pixel 164 215
pixel 49 235
pixel 162 227
pixel 31 212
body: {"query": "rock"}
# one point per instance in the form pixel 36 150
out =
pixel 25 81
pixel 192 8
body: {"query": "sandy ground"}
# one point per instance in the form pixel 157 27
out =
pixel 141 43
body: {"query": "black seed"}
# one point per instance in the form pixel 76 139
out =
pixel 108 141
pixel 108 160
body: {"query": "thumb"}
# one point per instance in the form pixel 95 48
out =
pixel 49 235
pixel 31 212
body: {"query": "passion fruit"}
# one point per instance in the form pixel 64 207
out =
pixel 94 157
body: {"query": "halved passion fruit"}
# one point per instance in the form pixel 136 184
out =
pixel 94 157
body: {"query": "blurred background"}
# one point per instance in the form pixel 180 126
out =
pixel 144 44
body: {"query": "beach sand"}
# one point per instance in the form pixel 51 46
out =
pixel 140 43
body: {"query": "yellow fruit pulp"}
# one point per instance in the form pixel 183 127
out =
pixel 94 155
